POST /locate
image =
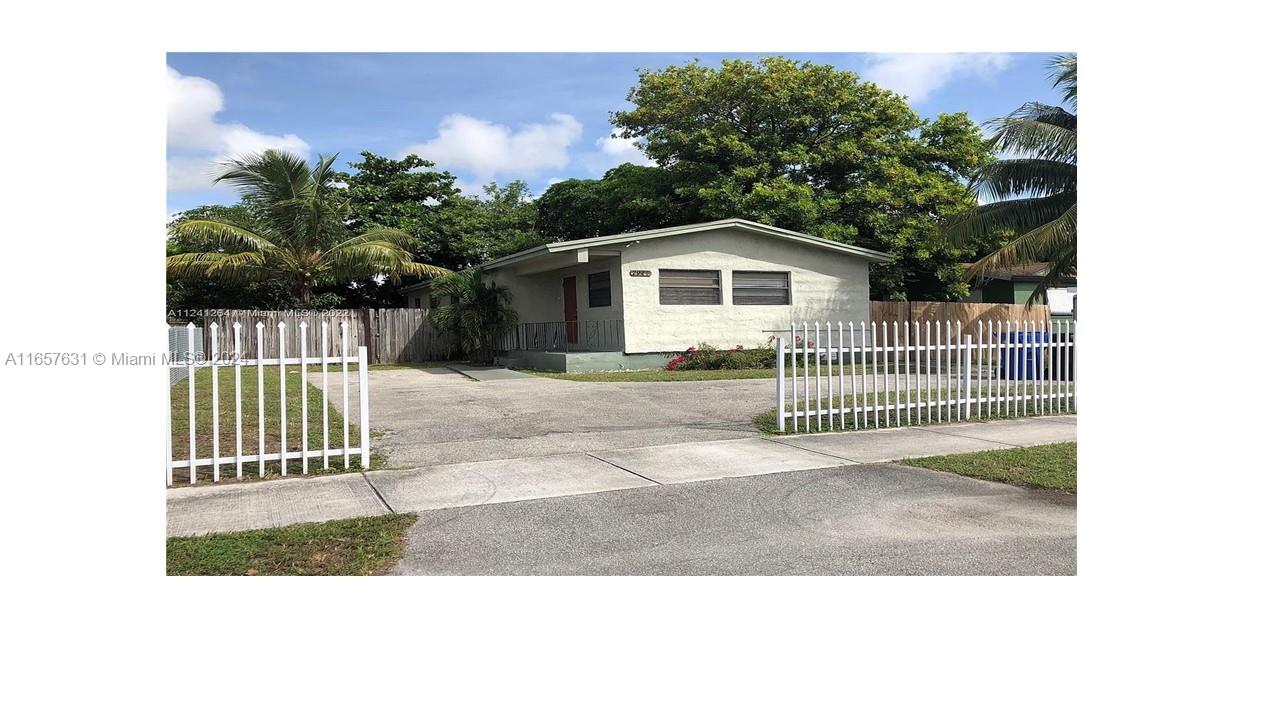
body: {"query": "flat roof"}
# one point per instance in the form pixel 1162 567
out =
pixel 748 225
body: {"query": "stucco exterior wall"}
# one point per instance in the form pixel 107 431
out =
pixel 825 286
pixel 422 295
pixel 540 297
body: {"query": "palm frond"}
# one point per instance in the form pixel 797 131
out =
pixel 1052 242
pixel 1064 76
pixel 1021 216
pixel 1034 137
pixel 220 233
pixel 269 177
pixel 225 267
pixel 1019 177
pixel 390 236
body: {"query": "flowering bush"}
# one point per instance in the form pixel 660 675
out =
pixel 709 357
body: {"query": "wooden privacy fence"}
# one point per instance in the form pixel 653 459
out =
pixel 392 335
pixel 967 314
pixel 234 356
pixel 923 372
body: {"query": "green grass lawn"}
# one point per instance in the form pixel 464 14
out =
pixel 271 421
pixel 767 421
pixel 657 375
pixel 361 546
pixel 1045 466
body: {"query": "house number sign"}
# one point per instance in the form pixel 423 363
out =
pixel 641 273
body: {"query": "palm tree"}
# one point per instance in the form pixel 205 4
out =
pixel 478 312
pixel 296 235
pixel 1034 188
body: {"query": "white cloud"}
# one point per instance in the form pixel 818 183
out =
pixel 484 149
pixel 198 141
pixel 622 150
pixel 919 75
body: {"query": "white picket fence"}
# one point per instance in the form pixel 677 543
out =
pixel 921 374
pixel 236 456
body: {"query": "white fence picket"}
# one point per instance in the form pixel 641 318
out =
pixel 920 399
pixel 364 406
pixel 215 362
pixel 817 376
pixel 262 425
pixel 324 392
pixel 795 386
pixel 840 363
pixel 284 424
pixel 831 393
pixel 191 400
pixel 875 381
pixel 862 359
pixel 897 378
pixel 346 404
pixel 302 355
pixel 928 373
pixel 217 408
pixel 1011 369
pixel 239 405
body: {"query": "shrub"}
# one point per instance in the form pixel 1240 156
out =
pixel 708 357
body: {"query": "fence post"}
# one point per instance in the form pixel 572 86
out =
pixel 780 373
pixel 213 383
pixel 364 406
pixel 968 376
pixel 191 400
pixel 168 423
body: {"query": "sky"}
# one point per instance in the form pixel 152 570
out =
pixel 537 117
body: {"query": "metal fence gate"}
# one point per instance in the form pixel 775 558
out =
pixel 230 454
pixel 913 374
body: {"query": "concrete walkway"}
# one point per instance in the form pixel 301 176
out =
pixel 194 511
pixel 487 373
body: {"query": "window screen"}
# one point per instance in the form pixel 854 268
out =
pixel 598 291
pixel 689 287
pixel 761 288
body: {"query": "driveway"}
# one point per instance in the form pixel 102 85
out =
pixel 432 416
pixel 877 519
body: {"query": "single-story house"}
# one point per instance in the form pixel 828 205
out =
pixel 630 301
pixel 1016 284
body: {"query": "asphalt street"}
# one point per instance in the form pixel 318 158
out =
pixel 872 519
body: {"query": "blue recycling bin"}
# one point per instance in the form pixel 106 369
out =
pixel 1031 345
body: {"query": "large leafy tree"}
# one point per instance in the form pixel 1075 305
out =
pixel 628 198
pixel 815 149
pixel 293 232
pixel 483 228
pixel 405 194
pixel 1034 188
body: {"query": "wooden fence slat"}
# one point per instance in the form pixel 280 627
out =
pixel 966 314
pixel 393 335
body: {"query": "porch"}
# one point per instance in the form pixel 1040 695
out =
pixel 572 346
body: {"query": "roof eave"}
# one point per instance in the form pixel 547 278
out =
pixel 568 245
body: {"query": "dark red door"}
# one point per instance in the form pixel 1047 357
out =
pixel 571 309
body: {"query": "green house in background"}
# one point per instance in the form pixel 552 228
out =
pixel 1016 284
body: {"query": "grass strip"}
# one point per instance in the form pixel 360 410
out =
pixel 1045 466
pixel 360 546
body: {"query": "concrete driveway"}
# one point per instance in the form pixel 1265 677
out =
pixel 431 416
pixel 854 520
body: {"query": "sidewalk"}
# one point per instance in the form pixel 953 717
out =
pixel 247 506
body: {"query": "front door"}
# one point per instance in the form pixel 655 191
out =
pixel 571 309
